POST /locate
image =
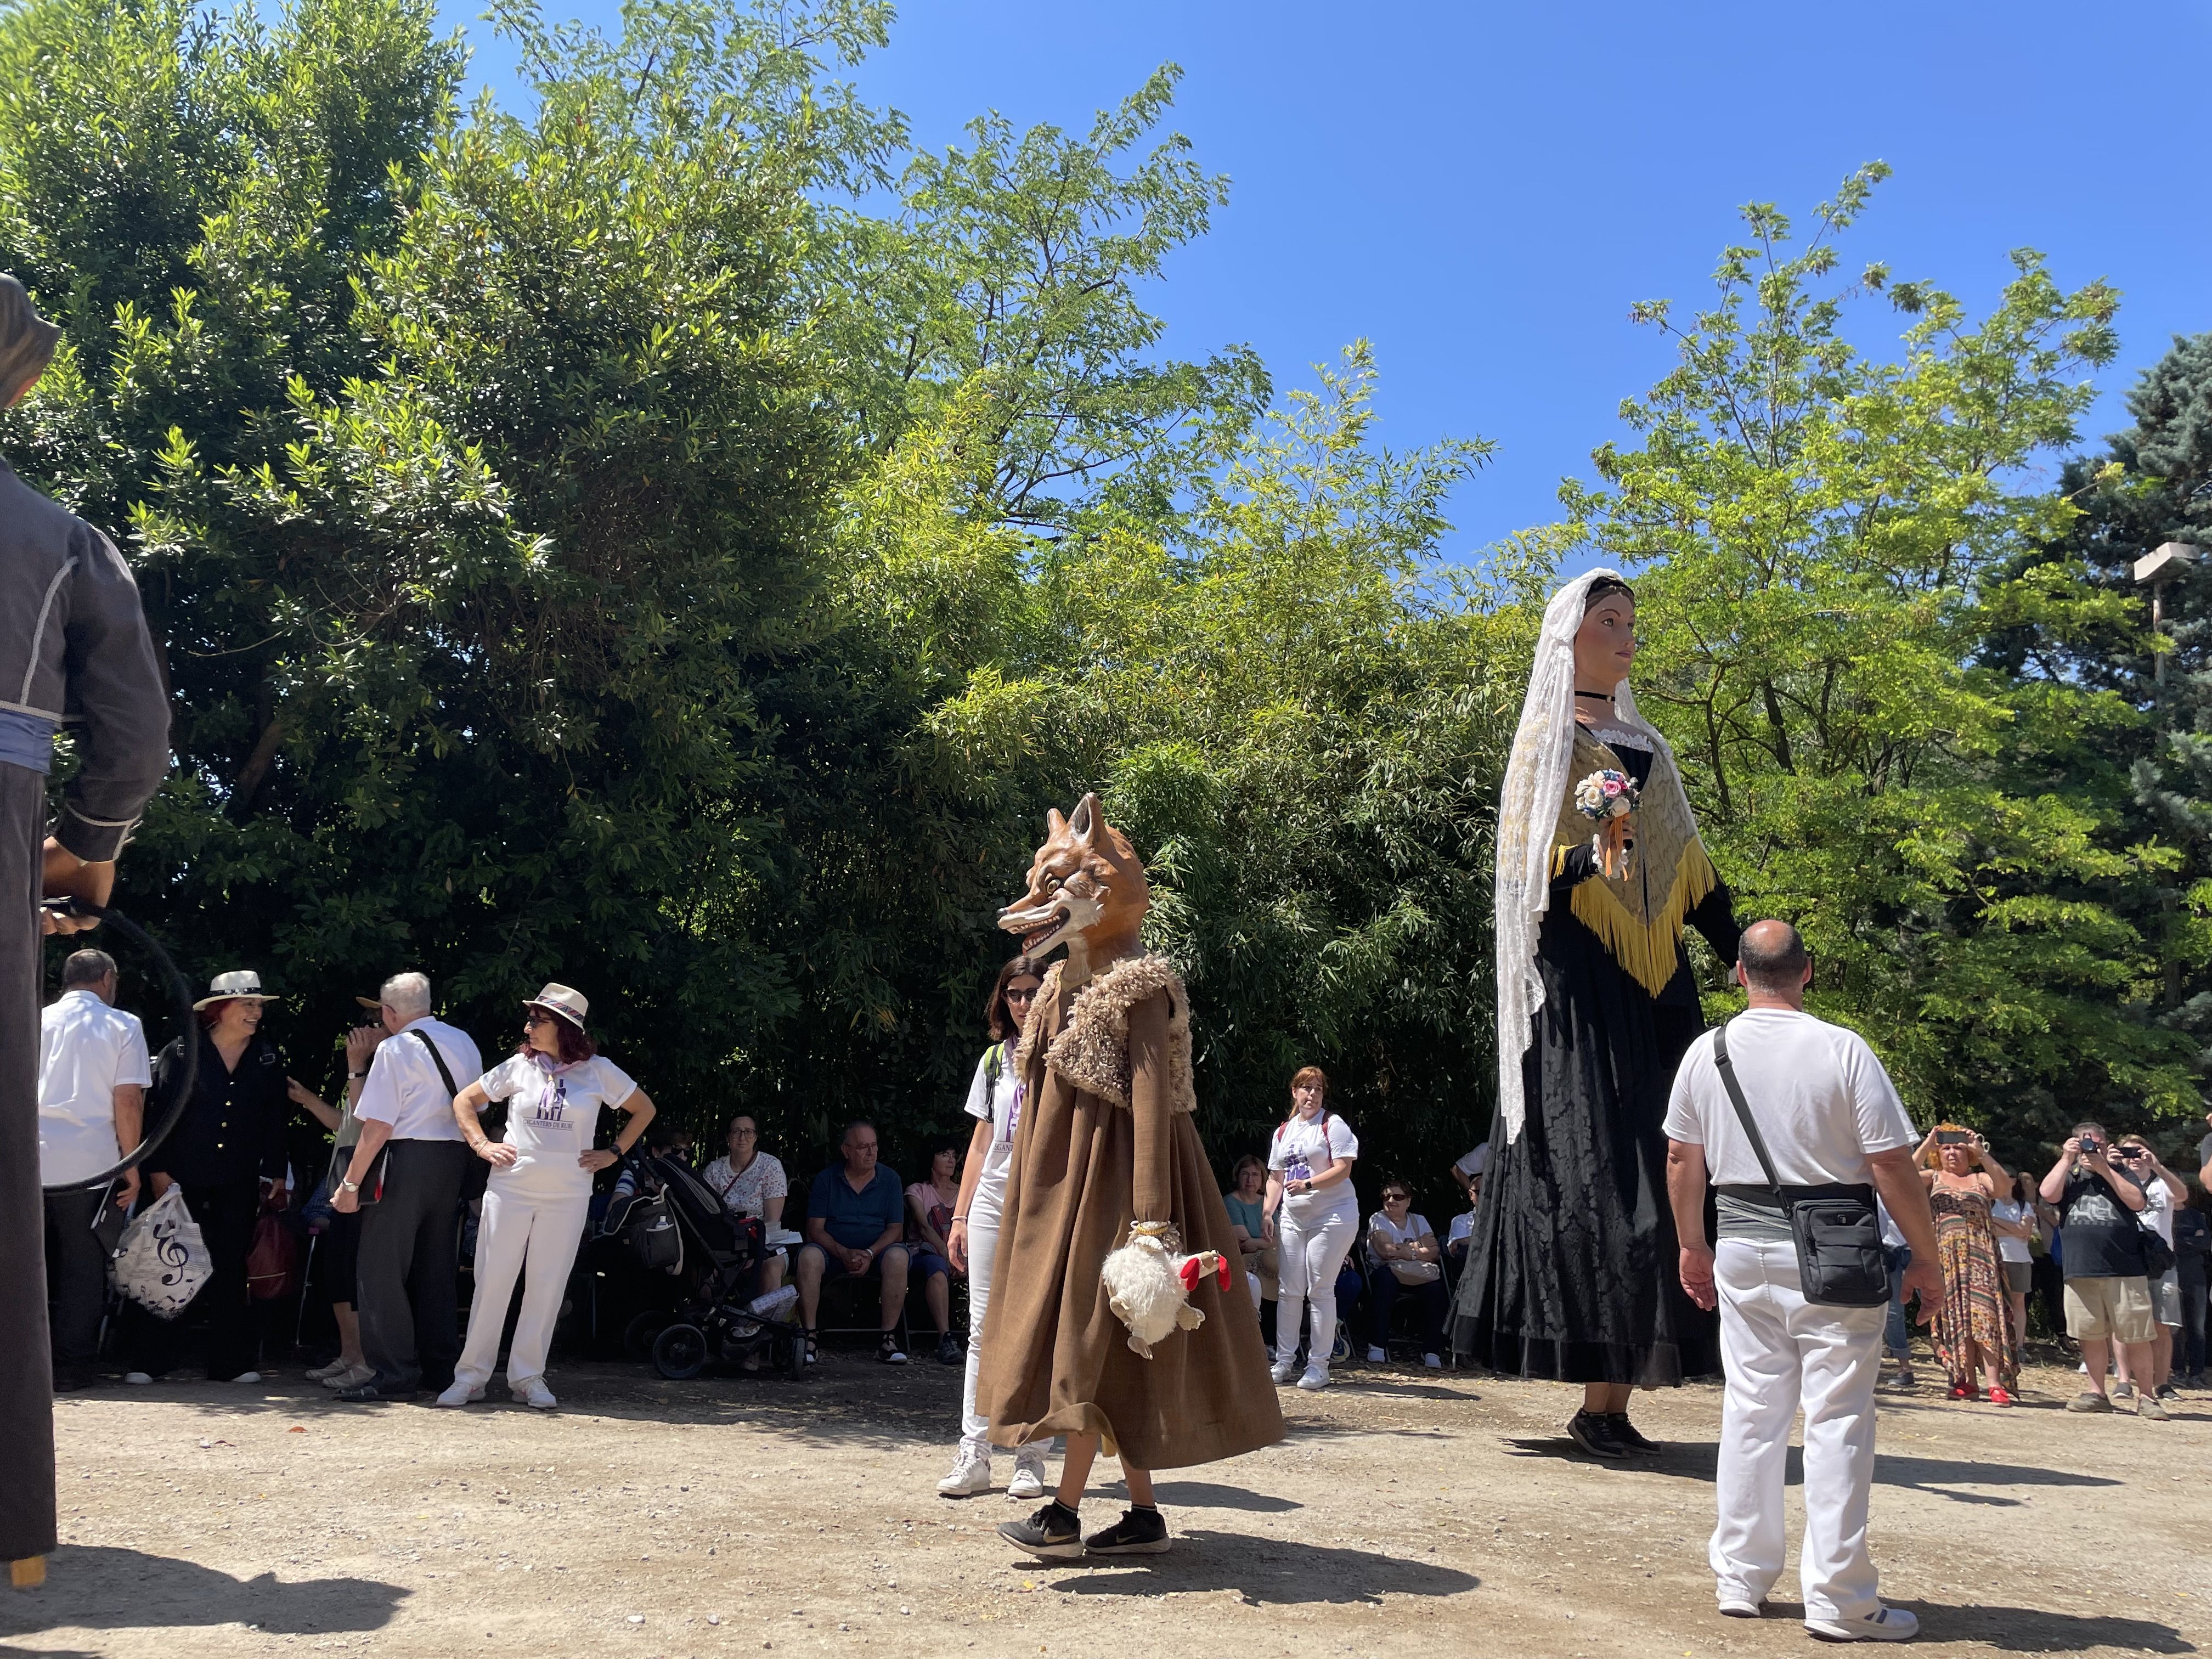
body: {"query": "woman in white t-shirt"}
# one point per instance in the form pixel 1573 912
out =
pixel 994 1101
pixel 2014 1220
pixel 1315 1215
pixel 751 1182
pixel 540 1189
pixel 1407 1258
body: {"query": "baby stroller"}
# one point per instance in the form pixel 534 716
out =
pixel 673 1221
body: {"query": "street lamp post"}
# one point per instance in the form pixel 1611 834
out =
pixel 2154 570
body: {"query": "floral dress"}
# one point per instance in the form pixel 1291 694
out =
pixel 1973 1314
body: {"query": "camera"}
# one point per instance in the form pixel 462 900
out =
pixel 2091 1147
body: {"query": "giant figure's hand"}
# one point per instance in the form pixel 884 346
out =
pixel 67 876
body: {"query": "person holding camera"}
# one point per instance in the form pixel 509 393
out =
pixel 1973 1331
pixel 2164 1192
pixel 2107 1283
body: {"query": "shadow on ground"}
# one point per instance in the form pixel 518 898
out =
pixel 2026 1630
pixel 1267 1572
pixel 1939 1477
pixel 100 1588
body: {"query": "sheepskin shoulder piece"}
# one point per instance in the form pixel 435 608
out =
pixel 1092 1049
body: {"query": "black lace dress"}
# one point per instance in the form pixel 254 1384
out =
pixel 1572 1271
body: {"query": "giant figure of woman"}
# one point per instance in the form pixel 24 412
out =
pixel 1571 1273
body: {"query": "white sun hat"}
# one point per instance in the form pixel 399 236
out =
pixel 242 983
pixel 571 1004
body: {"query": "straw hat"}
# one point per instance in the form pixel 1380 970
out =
pixel 242 984
pixel 571 1004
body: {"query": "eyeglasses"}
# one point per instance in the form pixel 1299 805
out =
pixel 533 1021
pixel 745 1134
pixel 1396 1198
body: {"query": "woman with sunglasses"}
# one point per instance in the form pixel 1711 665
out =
pixel 1406 1257
pixel 540 1189
pixel 1972 1334
pixel 994 1101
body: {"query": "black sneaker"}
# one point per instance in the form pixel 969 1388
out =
pixel 948 1352
pixel 1627 1434
pixel 1139 1532
pixel 2167 1391
pixel 1594 1434
pixel 889 1352
pixel 1052 1532
pixel 369 1395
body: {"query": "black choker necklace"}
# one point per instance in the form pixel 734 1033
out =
pixel 1602 696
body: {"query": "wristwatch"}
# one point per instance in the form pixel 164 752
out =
pixel 355 1076
pixel 349 1186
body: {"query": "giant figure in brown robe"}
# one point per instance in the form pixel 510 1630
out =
pixel 1106 1138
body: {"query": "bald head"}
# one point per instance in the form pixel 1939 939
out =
pixel 1771 961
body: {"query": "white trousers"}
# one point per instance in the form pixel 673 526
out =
pixel 519 1231
pixel 976 1429
pixel 1780 1352
pixel 1312 1254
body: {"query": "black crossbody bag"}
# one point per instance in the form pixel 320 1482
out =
pixel 1840 1260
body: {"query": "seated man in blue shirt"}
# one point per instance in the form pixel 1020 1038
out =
pixel 856 1216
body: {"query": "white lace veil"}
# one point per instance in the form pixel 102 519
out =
pixel 1528 818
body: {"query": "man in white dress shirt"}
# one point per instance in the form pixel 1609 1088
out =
pixel 93 1078
pixel 1829 1115
pixel 404 1283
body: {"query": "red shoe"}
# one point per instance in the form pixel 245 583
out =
pixel 1960 1391
pixel 2000 1397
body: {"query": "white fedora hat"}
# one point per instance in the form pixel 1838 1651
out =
pixel 571 1004
pixel 242 983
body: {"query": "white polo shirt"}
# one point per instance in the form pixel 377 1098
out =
pixel 87 1050
pixel 403 1088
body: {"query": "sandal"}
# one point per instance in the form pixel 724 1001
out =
pixel 2000 1397
pixel 813 1348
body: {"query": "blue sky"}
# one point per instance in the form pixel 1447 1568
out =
pixel 1484 191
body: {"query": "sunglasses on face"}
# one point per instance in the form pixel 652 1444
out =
pixel 531 1022
pixel 1020 993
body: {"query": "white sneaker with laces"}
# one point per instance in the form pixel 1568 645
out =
pixel 460 1393
pixel 1316 1375
pixel 1284 1369
pixel 1882 1625
pixel 532 1391
pixel 971 1473
pixel 352 1379
pixel 1378 1357
pixel 1435 1362
pixel 1029 1473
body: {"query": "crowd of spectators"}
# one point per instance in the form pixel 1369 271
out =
pixel 2107 1250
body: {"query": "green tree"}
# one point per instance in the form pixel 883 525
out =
pixel 1828 543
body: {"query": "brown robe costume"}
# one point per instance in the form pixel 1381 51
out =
pixel 1106 1138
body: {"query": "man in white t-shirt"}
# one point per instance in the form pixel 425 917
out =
pixel 404 1279
pixel 1466 1172
pixel 93 1078
pixel 1829 1115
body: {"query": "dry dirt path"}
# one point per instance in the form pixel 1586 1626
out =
pixel 1407 1515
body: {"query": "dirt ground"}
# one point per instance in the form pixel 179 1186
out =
pixel 1409 1514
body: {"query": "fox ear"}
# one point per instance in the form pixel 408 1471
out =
pixel 1084 826
pixel 1054 825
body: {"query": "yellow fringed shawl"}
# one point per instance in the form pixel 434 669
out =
pixel 1639 919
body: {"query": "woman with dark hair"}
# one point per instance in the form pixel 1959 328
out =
pixel 227 1153
pixel 540 1189
pixel 1246 1200
pixel 929 1206
pixel 1572 1268
pixel 994 1101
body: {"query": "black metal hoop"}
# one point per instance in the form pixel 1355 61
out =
pixel 181 991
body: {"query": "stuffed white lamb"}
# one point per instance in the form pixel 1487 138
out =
pixel 1148 1286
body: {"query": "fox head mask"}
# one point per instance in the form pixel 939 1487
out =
pixel 1086 890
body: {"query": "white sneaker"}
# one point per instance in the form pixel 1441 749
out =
pixel 136 1379
pixel 1284 1369
pixel 532 1391
pixel 971 1473
pixel 331 1370
pixel 1738 1604
pixel 1029 1473
pixel 243 1376
pixel 1378 1357
pixel 1435 1362
pixel 1882 1625
pixel 1316 1375
pixel 352 1379
pixel 460 1393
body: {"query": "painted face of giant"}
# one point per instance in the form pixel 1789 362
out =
pixel 1605 644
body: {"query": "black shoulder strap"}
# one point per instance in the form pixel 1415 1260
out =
pixel 446 1073
pixel 1727 1069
